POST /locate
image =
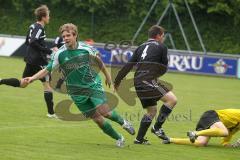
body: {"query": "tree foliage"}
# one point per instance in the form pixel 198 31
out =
pixel 133 8
pixel 116 20
pixel 223 7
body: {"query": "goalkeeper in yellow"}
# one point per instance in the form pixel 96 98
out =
pixel 213 123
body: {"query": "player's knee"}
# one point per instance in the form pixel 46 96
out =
pixel 98 120
pixel 225 133
pixel 170 99
pixel 104 110
pixel 201 143
pixel 47 87
pixel 106 114
pixel 152 113
pixel 173 101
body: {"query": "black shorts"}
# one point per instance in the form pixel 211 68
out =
pixel 207 119
pixel 151 92
pixel 30 70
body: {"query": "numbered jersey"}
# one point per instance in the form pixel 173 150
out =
pixel 151 51
pixel 37 50
pixel 151 59
pixel 151 62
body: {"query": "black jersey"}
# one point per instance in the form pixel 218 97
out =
pixel 58 42
pixel 37 50
pixel 151 62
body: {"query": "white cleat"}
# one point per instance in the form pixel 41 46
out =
pixel 120 143
pixel 128 127
pixel 52 116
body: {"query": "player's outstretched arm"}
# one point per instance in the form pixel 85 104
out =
pixel 37 76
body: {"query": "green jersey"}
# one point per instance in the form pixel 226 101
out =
pixel 78 69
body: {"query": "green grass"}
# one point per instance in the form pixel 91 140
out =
pixel 26 132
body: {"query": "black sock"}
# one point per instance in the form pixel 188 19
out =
pixel 11 82
pixel 164 113
pixel 144 125
pixel 48 96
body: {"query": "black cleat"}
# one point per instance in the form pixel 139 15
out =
pixel 159 133
pixel 143 142
pixel 192 136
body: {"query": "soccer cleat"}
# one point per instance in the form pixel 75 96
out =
pixel 144 142
pixel 128 127
pixel 159 133
pixel 120 142
pixel 192 136
pixel 166 141
pixel 52 116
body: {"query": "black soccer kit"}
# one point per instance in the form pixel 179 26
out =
pixel 58 42
pixel 151 62
pixel 37 51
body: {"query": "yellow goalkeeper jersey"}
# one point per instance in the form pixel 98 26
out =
pixel 231 119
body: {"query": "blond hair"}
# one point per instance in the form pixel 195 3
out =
pixel 69 27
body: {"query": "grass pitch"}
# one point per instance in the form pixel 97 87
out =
pixel 26 132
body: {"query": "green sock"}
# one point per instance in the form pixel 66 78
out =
pixel 116 117
pixel 107 128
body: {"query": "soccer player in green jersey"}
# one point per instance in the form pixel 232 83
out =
pixel 83 82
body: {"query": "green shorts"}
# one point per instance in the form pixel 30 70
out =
pixel 88 104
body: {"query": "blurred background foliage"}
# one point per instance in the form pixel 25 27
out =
pixel 116 20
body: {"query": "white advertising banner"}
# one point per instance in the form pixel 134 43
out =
pixel 9 45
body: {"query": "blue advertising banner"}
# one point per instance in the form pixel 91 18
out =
pixel 200 64
pixel 239 68
pixel 179 61
pixel 186 63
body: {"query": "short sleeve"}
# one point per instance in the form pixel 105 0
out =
pixel 53 62
pixel 49 66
